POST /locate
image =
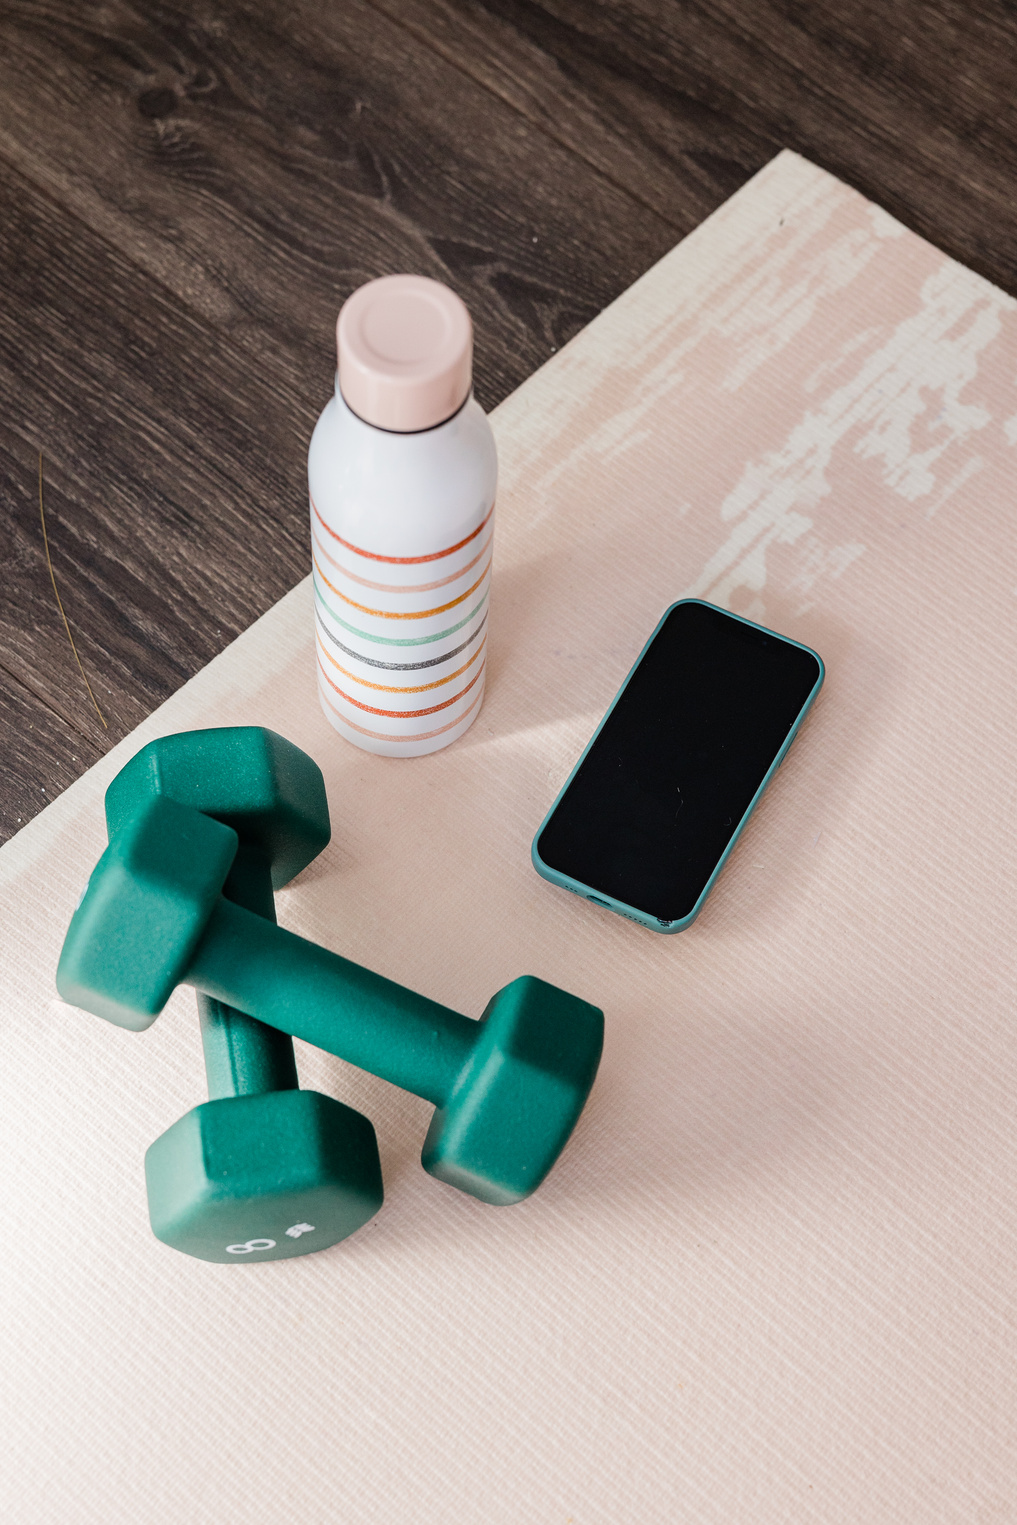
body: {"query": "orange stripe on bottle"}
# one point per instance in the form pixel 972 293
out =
pixel 388 736
pixel 402 561
pixel 395 587
pixel 402 714
pixel 393 614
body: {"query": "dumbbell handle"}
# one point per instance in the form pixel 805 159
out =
pixel 243 1057
pixel 290 983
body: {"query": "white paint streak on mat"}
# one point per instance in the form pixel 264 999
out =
pixel 772 1277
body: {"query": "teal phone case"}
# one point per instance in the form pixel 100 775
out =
pixel 598 897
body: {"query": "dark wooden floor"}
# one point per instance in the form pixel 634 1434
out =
pixel 190 191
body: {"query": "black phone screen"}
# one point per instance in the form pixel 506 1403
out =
pixel 679 759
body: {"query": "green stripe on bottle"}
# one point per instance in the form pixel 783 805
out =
pixel 391 640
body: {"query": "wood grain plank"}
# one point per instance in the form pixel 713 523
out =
pixel 128 673
pixel 666 146
pixel 262 160
pixel 912 104
pixel 41 755
pixel 174 500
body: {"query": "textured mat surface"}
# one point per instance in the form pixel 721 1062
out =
pixel 772 1276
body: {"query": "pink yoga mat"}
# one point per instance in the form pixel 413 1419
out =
pixel 772 1277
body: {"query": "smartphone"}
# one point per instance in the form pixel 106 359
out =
pixel 659 797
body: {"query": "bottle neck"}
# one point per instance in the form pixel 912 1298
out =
pixel 397 434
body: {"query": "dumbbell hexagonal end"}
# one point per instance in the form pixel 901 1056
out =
pixel 264 1177
pixel 144 910
pixel 259 783
pixel 520 1095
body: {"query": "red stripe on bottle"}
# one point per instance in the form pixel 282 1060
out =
pixel 402 561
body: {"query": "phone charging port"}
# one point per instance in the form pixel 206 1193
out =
pixel 597 900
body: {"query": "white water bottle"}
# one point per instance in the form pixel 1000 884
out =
pixel 402 473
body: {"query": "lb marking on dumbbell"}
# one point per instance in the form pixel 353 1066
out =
pixel 507 1090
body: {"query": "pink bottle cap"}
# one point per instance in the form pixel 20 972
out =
pixel 405 352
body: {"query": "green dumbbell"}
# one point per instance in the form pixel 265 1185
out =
pixel 262 1170
pixel 507 1090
